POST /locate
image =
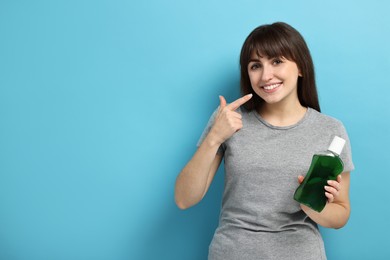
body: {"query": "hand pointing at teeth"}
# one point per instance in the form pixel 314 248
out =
pixel 228 121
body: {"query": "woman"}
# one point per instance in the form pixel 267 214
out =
pixel 267 139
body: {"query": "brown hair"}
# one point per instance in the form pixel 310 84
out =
pixel 279 40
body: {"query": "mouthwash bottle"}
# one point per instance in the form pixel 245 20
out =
pixel 324 166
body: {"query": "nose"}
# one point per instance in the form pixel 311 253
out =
pixel 267 74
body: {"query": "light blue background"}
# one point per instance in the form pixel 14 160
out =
pixel 102 103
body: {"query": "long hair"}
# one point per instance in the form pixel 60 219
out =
pixel 279 40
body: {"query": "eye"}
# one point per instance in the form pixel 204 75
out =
pixel 277 61
pixel 254 66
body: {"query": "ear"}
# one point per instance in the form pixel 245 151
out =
pixel 300 73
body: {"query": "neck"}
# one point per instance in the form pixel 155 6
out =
pixel 282 115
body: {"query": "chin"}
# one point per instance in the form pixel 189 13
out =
pixel 271 101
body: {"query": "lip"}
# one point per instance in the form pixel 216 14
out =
pixel 271 87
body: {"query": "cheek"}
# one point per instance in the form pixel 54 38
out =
pixel 253 78
pixel 289 75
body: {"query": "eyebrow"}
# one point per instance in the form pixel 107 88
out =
pixel 254 60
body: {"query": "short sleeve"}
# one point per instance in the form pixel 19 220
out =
pixel 207 129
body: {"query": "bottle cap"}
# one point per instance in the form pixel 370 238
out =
pixel 337 145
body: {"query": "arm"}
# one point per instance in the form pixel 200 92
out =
pixel 196 177
pixel 337 210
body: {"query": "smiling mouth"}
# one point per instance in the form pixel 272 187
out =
pixel 270 87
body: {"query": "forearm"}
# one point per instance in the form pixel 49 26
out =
pixel 194 180
pixel 334 215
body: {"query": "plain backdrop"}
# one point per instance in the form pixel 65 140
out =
pixel 102 103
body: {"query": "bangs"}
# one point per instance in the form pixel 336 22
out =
pixel 271 44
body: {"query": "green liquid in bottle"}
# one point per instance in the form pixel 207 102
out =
pixel 323 167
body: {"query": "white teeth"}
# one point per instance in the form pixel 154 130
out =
pixel 269 87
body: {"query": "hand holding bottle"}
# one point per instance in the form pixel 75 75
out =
pixel 332 190
pixel 322 174
pixel 228 121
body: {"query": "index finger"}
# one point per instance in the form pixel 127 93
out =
pixel 239 102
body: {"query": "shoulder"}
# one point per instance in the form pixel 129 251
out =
pixel 324 120
pixel 327 125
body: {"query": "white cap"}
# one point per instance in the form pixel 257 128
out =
pixel 337 145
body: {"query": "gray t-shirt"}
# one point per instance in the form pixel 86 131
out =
pixel 259 218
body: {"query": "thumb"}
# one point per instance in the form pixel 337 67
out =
pixel 222 104
pixel 300 179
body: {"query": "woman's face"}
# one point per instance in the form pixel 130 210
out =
pixel 274 80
